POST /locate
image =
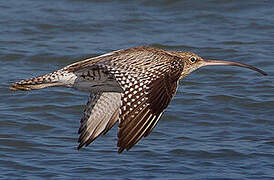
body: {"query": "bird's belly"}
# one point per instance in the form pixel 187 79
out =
pixel 97 86
pixel 96 79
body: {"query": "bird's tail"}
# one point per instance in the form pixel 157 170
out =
pixel 57 78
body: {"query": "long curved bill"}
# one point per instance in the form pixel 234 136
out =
pixel 229 63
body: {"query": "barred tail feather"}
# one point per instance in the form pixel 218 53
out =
pixel 57 78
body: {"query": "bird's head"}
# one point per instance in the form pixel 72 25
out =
pixel 193 62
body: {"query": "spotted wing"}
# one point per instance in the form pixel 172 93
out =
pixel 100 115
pixel 142 105
pixel 147 79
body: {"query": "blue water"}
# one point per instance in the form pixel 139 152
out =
pixel 220 124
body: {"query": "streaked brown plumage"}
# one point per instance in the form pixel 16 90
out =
pixel 133 86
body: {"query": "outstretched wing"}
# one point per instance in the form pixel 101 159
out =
pixel 142 108
pixel 146 95
pixel 100 115
pixel 147 79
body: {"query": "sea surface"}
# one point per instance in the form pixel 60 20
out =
pixel 220 125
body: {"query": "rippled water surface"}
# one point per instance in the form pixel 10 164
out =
pixel 220 124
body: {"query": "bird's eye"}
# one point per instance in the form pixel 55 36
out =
pixel 193 59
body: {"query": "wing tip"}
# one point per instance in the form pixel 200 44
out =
pixel 120 150
pixel 80 146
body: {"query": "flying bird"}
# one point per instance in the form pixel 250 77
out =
pixel 132 86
